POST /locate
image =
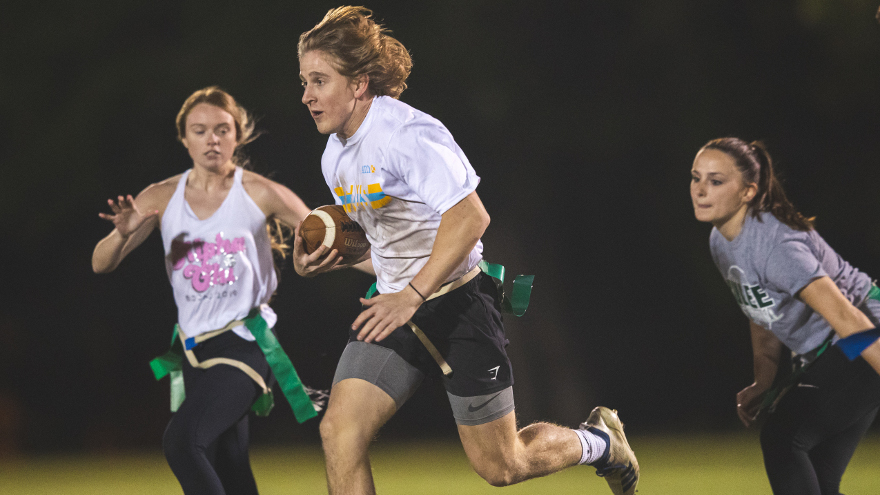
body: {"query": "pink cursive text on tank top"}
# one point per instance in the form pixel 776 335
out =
pixel 203 260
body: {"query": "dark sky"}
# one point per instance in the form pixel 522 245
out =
pixel 581 117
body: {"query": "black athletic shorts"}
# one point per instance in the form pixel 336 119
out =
pixel 465 325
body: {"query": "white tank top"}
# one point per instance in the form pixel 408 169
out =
pixel 221 267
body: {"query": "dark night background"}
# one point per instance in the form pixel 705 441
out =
pixel 581 117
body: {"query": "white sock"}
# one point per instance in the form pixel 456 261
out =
pixel 593 446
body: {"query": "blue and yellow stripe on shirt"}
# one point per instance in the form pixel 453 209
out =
pixel 358 197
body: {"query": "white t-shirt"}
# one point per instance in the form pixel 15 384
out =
pixel 396 176
pixel 220 267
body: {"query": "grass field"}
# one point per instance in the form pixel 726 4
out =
pixel 674 465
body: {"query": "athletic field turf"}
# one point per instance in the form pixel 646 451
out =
pixel 673 465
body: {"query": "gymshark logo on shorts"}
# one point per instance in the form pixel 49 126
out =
pixel 494 372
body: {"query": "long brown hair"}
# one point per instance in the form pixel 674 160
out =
pixel 756 165
pixel 245 132
pixel 358 45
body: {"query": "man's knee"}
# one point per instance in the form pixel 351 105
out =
pixel 353 419
pixel 494 472
pixel 331 428
pixel 494 450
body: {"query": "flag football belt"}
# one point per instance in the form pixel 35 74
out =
pixel 515 305
pixel 170 363
pixel 801 364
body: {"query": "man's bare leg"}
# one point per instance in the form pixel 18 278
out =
pixel 503 456
pixel 356 411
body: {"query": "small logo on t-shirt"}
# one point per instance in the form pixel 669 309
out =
pixel 367 169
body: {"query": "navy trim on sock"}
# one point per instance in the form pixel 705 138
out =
pixel 602 461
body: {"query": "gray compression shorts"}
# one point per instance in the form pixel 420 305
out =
pixel 385 369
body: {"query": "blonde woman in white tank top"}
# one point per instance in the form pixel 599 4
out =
pixel 213 219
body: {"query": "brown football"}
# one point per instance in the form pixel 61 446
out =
pixel 331 226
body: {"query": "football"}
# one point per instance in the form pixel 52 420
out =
pixel 332 227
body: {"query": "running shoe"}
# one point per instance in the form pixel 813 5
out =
pixel 618 465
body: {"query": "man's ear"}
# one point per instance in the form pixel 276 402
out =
pixel 362 82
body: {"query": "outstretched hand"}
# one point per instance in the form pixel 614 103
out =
pixel 384 313
pixel 320 261
pixel 126 216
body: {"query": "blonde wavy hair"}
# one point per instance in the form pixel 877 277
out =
pixel 358 45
